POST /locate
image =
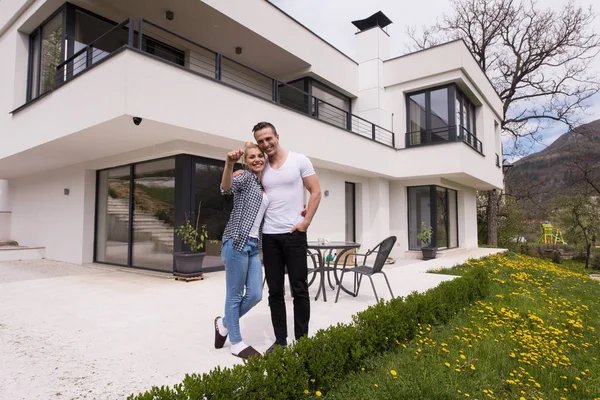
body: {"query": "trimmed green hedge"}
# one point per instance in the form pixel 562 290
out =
pixel 324 360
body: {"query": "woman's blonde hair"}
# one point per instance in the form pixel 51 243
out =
pixel 248 146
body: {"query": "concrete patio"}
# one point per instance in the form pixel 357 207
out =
pixel 101 332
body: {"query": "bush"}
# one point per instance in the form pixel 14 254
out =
pixel 324 360
pixel 595 264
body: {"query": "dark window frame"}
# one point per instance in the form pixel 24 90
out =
pixel 454 93
pixel 353 185
pixel 69 21
pixel 433 215
pixel 308 85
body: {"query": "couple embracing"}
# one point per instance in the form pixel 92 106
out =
pixel 268 206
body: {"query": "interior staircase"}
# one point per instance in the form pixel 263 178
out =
pixel 146 227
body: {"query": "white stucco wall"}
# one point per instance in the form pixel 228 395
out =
pixel 42 215
pixel 5 221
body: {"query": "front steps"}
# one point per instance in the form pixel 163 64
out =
pixel 10 251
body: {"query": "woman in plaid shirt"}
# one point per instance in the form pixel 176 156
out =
pixel 243 269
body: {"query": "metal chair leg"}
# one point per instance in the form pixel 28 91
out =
pixel 373 285
pixel 358 287
pixel 337 296
pixel 388 283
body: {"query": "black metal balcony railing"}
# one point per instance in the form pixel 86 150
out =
pixel 444 134
pixel 179 50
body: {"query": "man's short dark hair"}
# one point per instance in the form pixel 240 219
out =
pixel 263 125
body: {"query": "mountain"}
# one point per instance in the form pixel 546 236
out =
pixel 557 169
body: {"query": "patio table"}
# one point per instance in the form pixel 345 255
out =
pixel 324 262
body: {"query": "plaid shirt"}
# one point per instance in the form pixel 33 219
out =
pixel 247 198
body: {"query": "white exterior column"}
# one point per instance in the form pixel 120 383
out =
pixel 376 211
pixel 4 212
pixel 3 195
pixel 372 48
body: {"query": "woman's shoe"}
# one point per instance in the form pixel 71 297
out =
pixel 219 339
pixel 247 352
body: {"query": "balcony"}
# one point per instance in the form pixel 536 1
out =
pixel 181 52
pixel 442 135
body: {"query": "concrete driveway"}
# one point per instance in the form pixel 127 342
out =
pixel 101 332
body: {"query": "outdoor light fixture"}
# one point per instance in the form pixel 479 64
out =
pixel 170 15
pixel 238 50
pixel 137 120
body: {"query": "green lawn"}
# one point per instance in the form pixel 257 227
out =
pixel 534 337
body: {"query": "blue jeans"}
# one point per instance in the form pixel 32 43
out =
pixel 243 269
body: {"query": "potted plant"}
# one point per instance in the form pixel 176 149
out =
pixel 188 264
pixel 425 237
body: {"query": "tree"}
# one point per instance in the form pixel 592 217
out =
pixel 579 219
pixel 537 60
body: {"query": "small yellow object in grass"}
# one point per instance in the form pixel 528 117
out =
pixel 306 391
pixel 312 380
pixel 393 372
pixel 376 385
pixel 472 367
pixel 318 393
pixel 447 364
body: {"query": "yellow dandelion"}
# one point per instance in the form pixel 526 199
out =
pixel 447 364
pixel 393 372
pixel 472 367
pixel 462 356
pixel 318 393
pixel 312 380
pixel 306 391
pixel 376 385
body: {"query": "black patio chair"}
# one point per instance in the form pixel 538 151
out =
pixel 382 250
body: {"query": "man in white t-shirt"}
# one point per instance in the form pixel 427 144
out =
pixel 284 231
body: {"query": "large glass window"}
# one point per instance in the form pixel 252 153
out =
pixel 87 29
pixel 439 115
pixel 51 44
pixel 112 216
pixel 350 206
pixel 154 214
pixel 210 207
pixel 419 212
pixel 46 53
pixel 427 204
pixel 417 122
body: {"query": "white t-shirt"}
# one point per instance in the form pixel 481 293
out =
pixel 285 189
pixel 259 217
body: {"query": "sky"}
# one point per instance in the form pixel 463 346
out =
pixel 331 20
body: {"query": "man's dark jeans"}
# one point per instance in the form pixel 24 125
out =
pixel 281 251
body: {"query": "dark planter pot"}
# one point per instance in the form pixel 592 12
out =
pixel 428 253
pixel 188 265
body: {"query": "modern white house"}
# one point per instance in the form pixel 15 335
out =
pixel 115 118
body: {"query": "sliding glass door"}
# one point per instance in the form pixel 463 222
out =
pixel 436 207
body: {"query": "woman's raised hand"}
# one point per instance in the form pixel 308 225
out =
pixel 234 156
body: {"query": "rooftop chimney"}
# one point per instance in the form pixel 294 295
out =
pixel 372 49
pixel 378 19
